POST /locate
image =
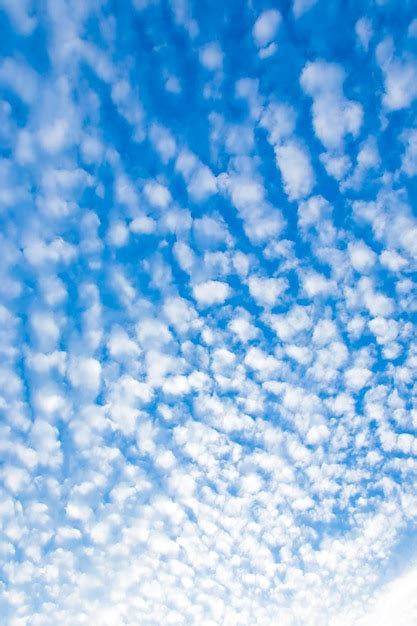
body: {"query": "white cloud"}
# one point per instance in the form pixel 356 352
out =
pixel 357 377
pixel 46 329
pixel 400 77
pixel 294 163
pixel 180 313
pixel 313 212
pixel 211 56
pixel 334 116
pixel 118 234
pixel 301 6
pixel 211 292
pixel 267 291
pixel 394 603
pixel 143 225
pixel 163 142
pixel 210 231
pixel 364 31
pixel 266 26
pixel 19 77
pixel 157 195
pixel 261 220
pixel 20 13
pixel 279 121
pixel 409 159
pixel 201 183
pixel 152 332
pixel 315 284
pixel 361 256
pixel 120 345
pixel 243 329
pixel 85 373
pixel 392 260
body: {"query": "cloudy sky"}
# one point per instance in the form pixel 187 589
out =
pixel 208 350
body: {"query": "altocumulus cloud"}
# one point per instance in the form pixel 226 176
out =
pixel 208 357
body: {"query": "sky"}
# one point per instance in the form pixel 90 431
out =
pixel 208 355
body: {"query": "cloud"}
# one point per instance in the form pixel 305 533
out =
pixel 267 291
pixel 396 601
pixel 211 56
pixel 297 173
pixel 211 292
pixel 265 27
pixel 399 77
pixel 334 116
pixel 301 6
pixel 207 354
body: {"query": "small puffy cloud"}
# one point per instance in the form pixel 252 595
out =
pixel 185 256
pixel 91 149
pixel 118 234
pixel 409 158
pixel 317 435
pixel 211 292
pixel 55 135
pixel 312 212
pixel 176 386
pixel 251 483
pixel 364 31
pixel 210 231
pixel 260 361
pixel 39 252
pixel 302 6
pixel 157 195
pixel 324 332
pixel 85 373
pixel 261 219
pixel 266 26
pixel 361 256
pixel 20 14
pixel 279 121
pixel 384 330
pixel 243 329
pixel 45 439
pixel 120 345
pixel 336 165
pixel 163 142
pixel 287 326
pixel 211 56
pixel 301 354
pixel 142 225
pixel 267 291
pixel 152 332
pixel 46 329
pixel 297 173
pixel 357 377
pixel 378 304
pixel 201 183
pixel 392 260
pixel 21 78
pixel 333 115
pixel 180 313
pixel 16 479
pixel 400 76
pixel 315 284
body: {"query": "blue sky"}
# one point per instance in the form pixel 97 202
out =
pixel 208 356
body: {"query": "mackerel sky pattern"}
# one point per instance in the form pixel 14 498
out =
pixel 207 352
